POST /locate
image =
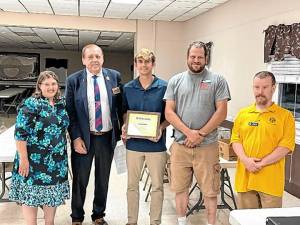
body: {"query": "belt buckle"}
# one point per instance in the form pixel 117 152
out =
pixel 97 133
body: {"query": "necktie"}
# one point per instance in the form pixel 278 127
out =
pixel 98 112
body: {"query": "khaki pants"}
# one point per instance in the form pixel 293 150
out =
pixel 256 200
pixel 156 163
pixel 201 161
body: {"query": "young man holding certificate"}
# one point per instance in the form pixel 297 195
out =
pixel 143 102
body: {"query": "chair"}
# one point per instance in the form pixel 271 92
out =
pixel 8 169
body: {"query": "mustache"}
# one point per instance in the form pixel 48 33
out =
pixel 257 96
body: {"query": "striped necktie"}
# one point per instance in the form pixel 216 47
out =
pixel 98 111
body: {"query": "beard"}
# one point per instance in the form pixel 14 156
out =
pixel 261 100
pixel 198 70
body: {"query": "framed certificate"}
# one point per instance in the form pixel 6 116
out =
pixel 142 124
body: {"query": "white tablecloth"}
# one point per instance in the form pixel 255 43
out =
pixel 258 216
pixel 7 145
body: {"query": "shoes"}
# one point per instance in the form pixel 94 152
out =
pixel 131 224
pixel 76 223
pixel 100 221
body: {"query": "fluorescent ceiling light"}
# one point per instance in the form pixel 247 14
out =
pixel 132 2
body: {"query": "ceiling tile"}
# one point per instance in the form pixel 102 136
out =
pixel 12 6
pixel 67 32
pixel 50 36
pixel 218 1
pixel 33 38
pixel 95 8
pixel 37 6
pixel 87 37
pixel 21 29
pixel 147 9
pixel 65 7
pixel 104 42
pixel 69 40
pixel 110 34
pixel 115 10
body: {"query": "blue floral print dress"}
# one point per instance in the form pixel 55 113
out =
pixel 43 127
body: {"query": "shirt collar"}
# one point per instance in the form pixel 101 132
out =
pixel 137 84
pixel 271 108
pixel 90 75
pixel 201 74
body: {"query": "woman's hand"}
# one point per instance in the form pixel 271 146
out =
pixel 24 166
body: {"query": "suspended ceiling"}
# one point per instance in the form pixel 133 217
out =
pixel 63 39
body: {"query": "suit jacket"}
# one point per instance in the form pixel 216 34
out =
pixel 77 104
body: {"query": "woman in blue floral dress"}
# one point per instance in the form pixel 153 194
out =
pixel 40 174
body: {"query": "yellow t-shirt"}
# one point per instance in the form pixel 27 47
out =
pixel 260 133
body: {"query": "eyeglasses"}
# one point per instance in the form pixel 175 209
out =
pixel 50 84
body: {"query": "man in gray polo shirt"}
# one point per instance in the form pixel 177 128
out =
pixel 196 103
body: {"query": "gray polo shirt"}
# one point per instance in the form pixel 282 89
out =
pixel 195 96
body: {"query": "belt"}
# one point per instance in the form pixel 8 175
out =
pixel 98 133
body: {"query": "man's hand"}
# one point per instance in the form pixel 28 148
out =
pixel 24 166
pixel 193 138
pixel 156 139
pixel 79 146
pixel 252 164
pixel 124 133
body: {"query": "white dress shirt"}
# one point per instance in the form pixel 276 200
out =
pixel 106 120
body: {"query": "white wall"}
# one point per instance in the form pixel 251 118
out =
pixel 236 29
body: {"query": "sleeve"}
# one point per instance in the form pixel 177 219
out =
pixel 125 106
pixel 235 133
pixel 120 101
pixel 26 119
pixel 222 91
pixel 163 117
pixel 74 128
pixel 170 92
pixel 288 139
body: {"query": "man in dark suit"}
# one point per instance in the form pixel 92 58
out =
pixel 93 100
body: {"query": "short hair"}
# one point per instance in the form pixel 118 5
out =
pixel 265 74
pixel 43 76
pixel 145 54
pixel 89 46
pixel 198 44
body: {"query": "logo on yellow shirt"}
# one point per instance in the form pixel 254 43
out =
pixel 253 124
pixel 272 120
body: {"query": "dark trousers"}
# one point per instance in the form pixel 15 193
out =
pixel 101 149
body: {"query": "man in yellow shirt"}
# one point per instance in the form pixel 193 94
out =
pixel 263 134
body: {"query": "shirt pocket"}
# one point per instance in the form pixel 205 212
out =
pixel 206 97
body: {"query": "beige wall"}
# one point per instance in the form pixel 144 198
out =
pixel 68 22
pixel 166 40
pixel 236 29
pixel 121 61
